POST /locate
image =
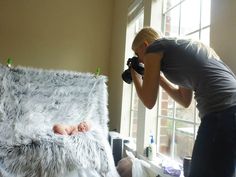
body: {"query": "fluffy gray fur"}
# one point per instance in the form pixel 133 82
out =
pixel 32 101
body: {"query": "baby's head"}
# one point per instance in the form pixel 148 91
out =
pixel 84 126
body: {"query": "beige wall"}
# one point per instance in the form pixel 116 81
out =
pixel 116 64
pixel 83 35
pixel 60 34
pixel 68 34
pixel 223 30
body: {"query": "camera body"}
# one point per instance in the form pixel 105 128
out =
pixel 138 67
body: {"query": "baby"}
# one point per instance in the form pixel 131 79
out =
pixel 64 129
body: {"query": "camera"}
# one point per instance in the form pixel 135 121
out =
pixel 136 65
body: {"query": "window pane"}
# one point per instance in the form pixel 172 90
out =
pixel 166 104
pixel 206 12
pixel 132 99
pixel 138 23
pixel 194 36
pixel 169 3
pixel 151 117
pixel 134 115
pixel 190 17
pixel 172 22
pixel 185 113
pixel 184 140
pixel 177 126
pixel 198 119
pixel 205 36
pixel 165 136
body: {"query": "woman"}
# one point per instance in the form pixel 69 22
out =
pixel 193 67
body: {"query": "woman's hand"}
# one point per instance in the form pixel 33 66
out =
pixel 180 94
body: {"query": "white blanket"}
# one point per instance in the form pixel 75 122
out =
pixel 31 101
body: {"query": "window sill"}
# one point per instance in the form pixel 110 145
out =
pixel 155 164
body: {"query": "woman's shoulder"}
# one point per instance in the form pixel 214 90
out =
pixel 171 41
pixel 165 43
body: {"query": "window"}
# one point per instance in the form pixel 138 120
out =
pixel 130 98
pixel 189 18
pixel 173 126
pixel 177 126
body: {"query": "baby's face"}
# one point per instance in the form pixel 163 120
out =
pixel 84 127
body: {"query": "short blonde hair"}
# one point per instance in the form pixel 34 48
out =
pixel 146 34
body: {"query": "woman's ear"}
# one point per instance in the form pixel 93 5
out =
pixel 144 46
pixel 146 43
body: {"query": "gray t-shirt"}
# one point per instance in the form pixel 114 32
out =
pixel 186 64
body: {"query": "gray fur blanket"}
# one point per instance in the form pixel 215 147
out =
pixel 31 102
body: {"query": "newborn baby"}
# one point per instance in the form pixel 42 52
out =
pixel 64 129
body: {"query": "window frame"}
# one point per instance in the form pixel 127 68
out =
pixel 143 129
pixel 173 118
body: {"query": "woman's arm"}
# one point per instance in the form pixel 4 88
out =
pixel 181 95
pixel 147 88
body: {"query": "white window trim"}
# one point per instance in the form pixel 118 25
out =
pixel 142 134
pixel 150 9
pixel 155 164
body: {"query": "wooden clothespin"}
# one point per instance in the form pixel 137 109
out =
pixel 98 71
pixel 9 62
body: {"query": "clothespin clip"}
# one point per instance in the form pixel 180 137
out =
pixel 9 62
pixel 98 71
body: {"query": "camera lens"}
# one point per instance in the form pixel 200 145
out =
pixel 126 76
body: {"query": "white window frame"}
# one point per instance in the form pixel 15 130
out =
pixel 134 11
pixel 153 16
pixel 151 8
pixel 173 118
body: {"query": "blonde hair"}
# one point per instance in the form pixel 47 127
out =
pixel 146 34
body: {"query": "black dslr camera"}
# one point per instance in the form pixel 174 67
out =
pixel 138 67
